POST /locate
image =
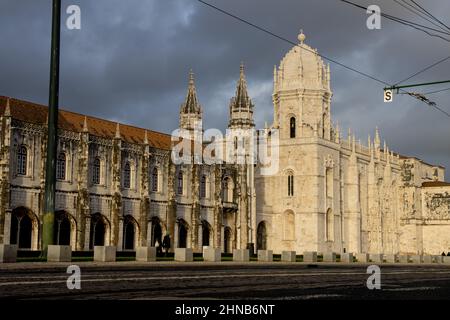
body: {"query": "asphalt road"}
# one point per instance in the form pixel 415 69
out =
pixel 225 280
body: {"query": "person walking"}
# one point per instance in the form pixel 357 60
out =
pixel 166 244
pixel 158 247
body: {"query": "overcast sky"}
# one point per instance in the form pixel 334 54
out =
pixel 130 62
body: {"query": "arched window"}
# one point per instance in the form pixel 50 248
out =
pixel 292 127
pixel 61 166
pixel 290 185
pixel 155 180
pixel 96 171
pixel 203 187
pixel 329 182
pixel 227 190
pixel 180 182
pixel 22 156
pixel 126 175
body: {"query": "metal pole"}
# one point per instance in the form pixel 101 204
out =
pixel 50 167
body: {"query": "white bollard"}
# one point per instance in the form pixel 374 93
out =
pixel 309 256
pixel 347 257
pixel 241 255
pixel 145 254
pixel 288 256
pixel 184 255
pixel 59 253
pixel 329 257
pixel 8 253
pixel 265 255
pixel 212 254
pixel 105 253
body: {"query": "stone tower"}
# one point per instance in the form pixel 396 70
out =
pixel 302 94
pixel 241 127
pixel 241 106
pixel 191 111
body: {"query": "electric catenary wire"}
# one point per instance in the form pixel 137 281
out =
pixel 312 51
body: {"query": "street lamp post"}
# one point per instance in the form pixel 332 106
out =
pixel 50 166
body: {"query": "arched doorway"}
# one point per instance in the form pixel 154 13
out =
pixel 206 233
pixel 156 231
pixel 62 229
pixel 23 228
pixel 99 226
pixel 129 233
pixel 227 240
pixel 262 236
pixel 182 234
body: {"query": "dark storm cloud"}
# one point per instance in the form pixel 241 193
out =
pixel 130 61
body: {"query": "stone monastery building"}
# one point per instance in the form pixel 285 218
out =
pixel 117 184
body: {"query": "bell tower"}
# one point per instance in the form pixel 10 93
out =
pixel 302 94
pixel 191 111
pixel 241 106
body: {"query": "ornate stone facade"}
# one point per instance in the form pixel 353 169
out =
pixel 347 197
pixel 118 185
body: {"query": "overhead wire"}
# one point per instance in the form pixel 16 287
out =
pixel 313 51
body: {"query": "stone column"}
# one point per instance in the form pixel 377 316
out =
pixel 195 213
pixel 243 207
pixel 120 238
pixel 171 214
pixel 353 214
pixel 87 233
pixel 7 227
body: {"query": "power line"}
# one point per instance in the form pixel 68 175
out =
pixel 423 70
pixel 414 25
pixel 292 43
pixel 301 47
pixel 432 92
pixel 429 14
pixel 416 12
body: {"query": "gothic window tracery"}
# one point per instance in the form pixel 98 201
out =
pixel 22 157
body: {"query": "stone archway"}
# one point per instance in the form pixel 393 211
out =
pixel 130 231
pixel 65 229
pixel 182 233
pixel 99 231
pixel 24 228
pixel 156 232
pixel 227 240
pixel 206 234
pixel 261 236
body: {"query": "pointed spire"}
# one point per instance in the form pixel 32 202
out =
pixel 85 125
pixel 241 99
pixel 191 104
pixel 377 138
pixel 241 106
pixel 117 131
pixel 145 137
pixel 7 109
pixel 353 144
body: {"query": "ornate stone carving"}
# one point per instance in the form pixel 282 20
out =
pixel 438 206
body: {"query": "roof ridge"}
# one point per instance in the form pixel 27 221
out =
pixel 83 115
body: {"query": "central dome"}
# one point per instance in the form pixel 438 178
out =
pixel 302 68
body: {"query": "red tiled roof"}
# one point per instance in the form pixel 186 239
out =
pixel 36 113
